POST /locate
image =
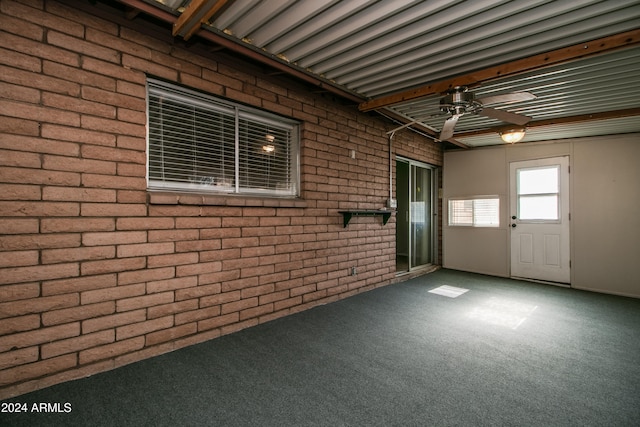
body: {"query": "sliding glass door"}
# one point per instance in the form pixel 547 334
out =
pixel 420 216
pixel 415 184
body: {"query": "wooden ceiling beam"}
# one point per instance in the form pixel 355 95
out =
pixel 242 49
pixel 278 65
pixel 147 8
pixel 194 15
pixel 534 62
pixel 604 115
pixel 132 14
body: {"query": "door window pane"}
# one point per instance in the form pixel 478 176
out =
pixel 538 181
pixel 538 207
pixel 538 193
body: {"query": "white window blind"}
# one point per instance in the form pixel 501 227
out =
pixel 460 212
pixel 474 212
pixel 200 143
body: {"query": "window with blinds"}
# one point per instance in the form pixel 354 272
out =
pixel 475 212
pixel 197 142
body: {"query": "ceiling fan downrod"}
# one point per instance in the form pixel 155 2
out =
pixel 458 100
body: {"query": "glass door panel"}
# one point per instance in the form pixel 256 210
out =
pixel 415 189
pixel 402 216
pixel 420 216
pixel 538 193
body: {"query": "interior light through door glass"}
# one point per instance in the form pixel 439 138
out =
pixel 538 207
pixel 538 193
pixel 538 180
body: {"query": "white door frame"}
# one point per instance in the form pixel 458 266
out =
pixel 540 248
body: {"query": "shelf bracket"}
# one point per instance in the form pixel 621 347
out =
pixel 348 214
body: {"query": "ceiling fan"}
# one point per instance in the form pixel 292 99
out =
pixel 459 101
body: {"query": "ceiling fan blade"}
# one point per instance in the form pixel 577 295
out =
pixel 507 98
pixel 505 116
pixel 448 127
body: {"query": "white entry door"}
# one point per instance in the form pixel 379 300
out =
pixel 539 219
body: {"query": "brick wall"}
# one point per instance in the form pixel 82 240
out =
pixel 95 272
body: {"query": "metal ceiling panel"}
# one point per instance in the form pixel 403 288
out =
pixel 624 125
pixel 379 47
pixel 472 50
pixel 608 82
pixel 375 48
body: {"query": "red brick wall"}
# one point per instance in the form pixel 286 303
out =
pixel 95 272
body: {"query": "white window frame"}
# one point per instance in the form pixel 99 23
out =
pixel 523 195
pixel 456 215
pixel 245 171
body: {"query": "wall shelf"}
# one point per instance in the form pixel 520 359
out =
pixel 347 215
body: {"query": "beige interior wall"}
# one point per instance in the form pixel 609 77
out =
pixel 472 173
pixel 605 209
pixel 606 215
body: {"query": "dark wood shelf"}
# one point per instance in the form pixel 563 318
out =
pixel 348 214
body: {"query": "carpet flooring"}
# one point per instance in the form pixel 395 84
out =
pixel 446 349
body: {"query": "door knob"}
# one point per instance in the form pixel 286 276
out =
pixel 514 217
pixel 513 225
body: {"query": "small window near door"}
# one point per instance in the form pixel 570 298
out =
pixel 481 212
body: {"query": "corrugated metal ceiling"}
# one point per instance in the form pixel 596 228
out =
pixel 376 48
pixel 598 84
pixel 379 47
pixel 562 131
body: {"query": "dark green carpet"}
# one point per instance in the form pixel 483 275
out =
pixel 503 353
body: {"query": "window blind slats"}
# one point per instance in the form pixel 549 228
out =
pixel 486 212
pixel 461 212
pixel 264 156
pixel 193 145
pixel 474 212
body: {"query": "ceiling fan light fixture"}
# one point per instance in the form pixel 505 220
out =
pixel 458 101
pixel 512 136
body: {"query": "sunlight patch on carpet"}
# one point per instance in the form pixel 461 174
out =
pixel 502 312
pixel 448 291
